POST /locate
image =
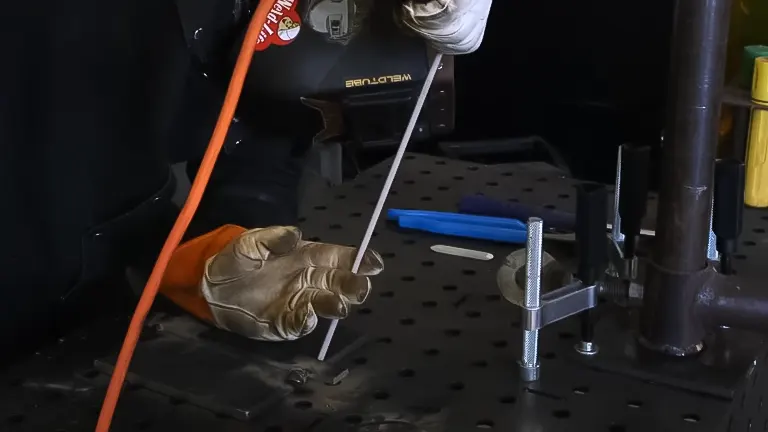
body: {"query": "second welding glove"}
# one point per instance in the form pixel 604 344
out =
pixel 268 284
pixel 449 26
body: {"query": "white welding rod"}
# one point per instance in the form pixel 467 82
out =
pixel 436 63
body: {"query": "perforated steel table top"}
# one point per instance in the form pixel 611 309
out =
pixel 446 344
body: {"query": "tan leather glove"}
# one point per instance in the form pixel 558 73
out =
pixel 449 26
pixel 268 284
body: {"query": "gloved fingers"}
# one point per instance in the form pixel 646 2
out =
pixel 298 322
pixel 259 243
pixel 353 287
pixel 328 304
pixel 341 257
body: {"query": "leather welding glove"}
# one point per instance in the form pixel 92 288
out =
pixel 449 26
pixel 267 283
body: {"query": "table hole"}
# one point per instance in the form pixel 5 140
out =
pixel 563 196
pixel 740 257
pixel 515 324
pixel 16 419
pixel 456 386
pixel 542 179
pixel 617 428
pixel 355 214
pixel 429 304
pixel 472 168
pixel 439 162
pixel 303 405
pixel 450 288
pixel 549 355
pixel 410 157
pixel 340 197
pixel 387 294
pixel 491 183
pixel 273 429
pixel 425 172
pixel 507 400
pixel 91 373
pixel 377 176
pixel 550 206
pixel 581 390
pixel 443 188
pixel 313 239
pixel 409 182
pixel 321 207
pixel 409 241
pixel 375 234
pixel 146 424
pixel 499 344
pixel 381 395
pixel 364 311
pixel 507 174
pixel 301 219
pixel 360 361
pixel 458 178
pixel 393 192
pixel 426 198
pixel 388 255
pixel 452 332
pixel 514 200
pixel 334 226
pixel 528 189
pixel 565 335
pixel 468 272
pixel 407 278
pixel 492 297
pixel 406 373
pixel 407 321
pixel 561 414
pixel 749 243
pixel 432 352
pixel 691 418
pixel 384 340
pixel 480 364
pixel 634 404
pixel 353 419
pixel 759 230
pixel 428 263
pixel 484 424
pixel 472 314
pixel 176 401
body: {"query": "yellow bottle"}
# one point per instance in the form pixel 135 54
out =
pixel 756 190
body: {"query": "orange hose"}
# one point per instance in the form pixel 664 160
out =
pixel 185 217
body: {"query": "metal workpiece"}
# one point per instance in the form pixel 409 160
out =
pixel 699 41
pixel 529 363
pixel 733 302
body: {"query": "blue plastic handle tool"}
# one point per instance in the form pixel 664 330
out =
pixel 461 225
pixel 397 214
pixel 482 205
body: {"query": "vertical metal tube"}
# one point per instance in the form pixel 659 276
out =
pixel 618 237
pixel 697 71
pixel 696 83
pixel 529 364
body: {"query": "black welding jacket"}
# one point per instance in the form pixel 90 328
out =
pixel 98 98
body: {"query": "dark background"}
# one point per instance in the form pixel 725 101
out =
pixel 586 76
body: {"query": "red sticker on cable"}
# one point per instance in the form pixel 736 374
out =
pixel 282 25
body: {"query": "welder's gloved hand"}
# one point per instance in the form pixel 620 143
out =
pixel 449 26
pixel 269 284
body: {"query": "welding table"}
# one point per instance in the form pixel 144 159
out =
pixel 444 344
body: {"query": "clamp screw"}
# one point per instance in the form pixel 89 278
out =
pixel 529 364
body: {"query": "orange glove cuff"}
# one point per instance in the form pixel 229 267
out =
pixel 181 282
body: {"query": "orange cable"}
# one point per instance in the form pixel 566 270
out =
pixel 185 216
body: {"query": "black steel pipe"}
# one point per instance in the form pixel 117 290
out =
pixel 693 111
pixel 732 301
pixel 685 190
